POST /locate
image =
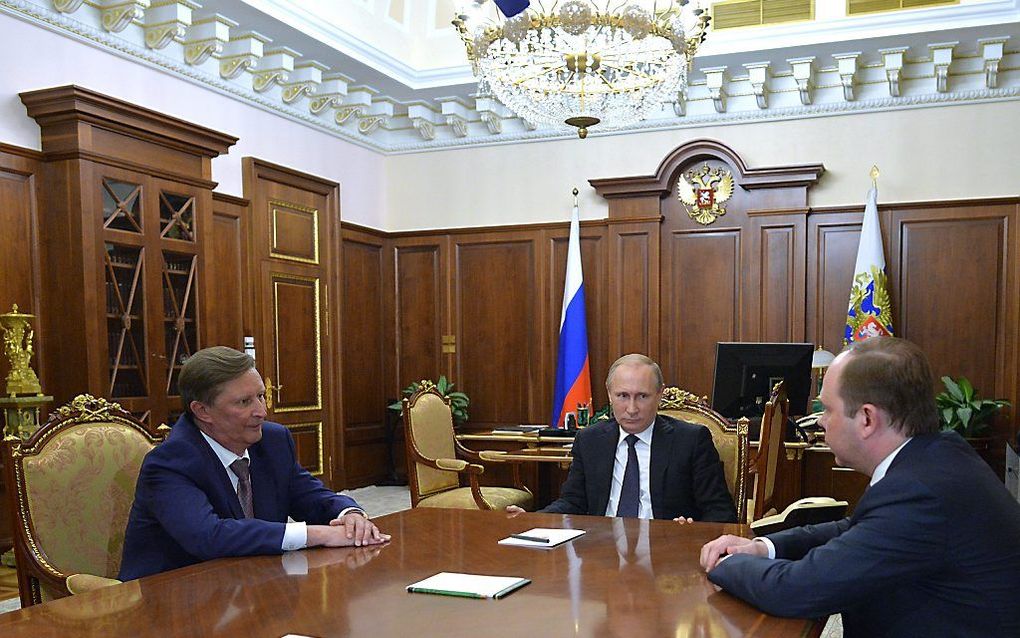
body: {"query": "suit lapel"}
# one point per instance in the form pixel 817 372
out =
pixel 223 491
pixel 662 452
pixel 263 487
pixel 602 471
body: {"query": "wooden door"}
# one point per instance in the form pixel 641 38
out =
pixel 295 221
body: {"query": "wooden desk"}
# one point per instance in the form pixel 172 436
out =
pixel 586 588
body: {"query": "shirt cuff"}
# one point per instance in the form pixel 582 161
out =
pixel 768 544
pixel 295 536
pixel 355 510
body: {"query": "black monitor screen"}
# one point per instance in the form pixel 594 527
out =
pixel 746 372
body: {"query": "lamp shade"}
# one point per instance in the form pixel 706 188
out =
pixel 821 358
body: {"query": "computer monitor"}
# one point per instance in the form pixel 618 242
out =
pixel 746 372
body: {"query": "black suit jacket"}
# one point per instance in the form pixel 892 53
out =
pixel 685 478
pixel 933 549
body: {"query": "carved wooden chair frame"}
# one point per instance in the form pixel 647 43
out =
pixel 33 566
pixel 470 469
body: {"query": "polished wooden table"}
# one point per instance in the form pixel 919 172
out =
pixel 625 577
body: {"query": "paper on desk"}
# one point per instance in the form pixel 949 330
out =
pixel 468 585
pixel 555 536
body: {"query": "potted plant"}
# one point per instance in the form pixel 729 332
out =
pixel 962 410
pixel 458 400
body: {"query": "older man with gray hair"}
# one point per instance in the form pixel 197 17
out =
pixel 226 480
pixel 641 464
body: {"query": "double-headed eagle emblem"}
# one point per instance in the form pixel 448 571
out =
pixel 703 191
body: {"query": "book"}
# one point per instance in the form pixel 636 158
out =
pixel 542 537
pixel 468 585
pixel 806 511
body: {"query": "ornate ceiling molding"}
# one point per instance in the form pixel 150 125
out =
pixel 214 51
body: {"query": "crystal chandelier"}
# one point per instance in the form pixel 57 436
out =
pixel 583 62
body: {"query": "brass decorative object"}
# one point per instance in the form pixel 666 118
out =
pixel 18 335
pixel 703 191
pixel 673 398
pixel 24 396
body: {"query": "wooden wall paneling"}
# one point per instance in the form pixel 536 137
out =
pixel 498 316
pixel 295 249
pixel 19 261
pixel 421 313
pixel 954 274
pixel 775 281
pixel 832 240
pixel 367 318
pixel 227 279
pixel 633 289
pixel 701 303
pixel 594 264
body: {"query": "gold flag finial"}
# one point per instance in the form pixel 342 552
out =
pixel 874 176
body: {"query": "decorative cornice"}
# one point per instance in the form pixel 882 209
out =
pixel 763 94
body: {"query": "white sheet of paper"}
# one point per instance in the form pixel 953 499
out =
pixel 469 585
pixel 555 536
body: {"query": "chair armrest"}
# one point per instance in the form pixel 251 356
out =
pixel 81 583
pixel 454 465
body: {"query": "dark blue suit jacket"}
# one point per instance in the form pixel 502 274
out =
pixel 186 510
pixel 685 478
pixel 933 549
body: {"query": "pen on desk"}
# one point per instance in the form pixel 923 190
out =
pixel 533 539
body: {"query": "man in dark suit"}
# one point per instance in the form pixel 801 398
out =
pixel 225 480
pixel 933 547
pixel 641 464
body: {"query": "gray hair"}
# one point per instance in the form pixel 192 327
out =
pixel 636 359
pixel 204 373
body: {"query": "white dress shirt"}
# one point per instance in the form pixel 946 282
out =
pixel 295 536
pixel 876 476
pixel 643 448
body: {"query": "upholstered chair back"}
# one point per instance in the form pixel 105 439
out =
pixel 731 440
pixel 429 428
pixel 74 483
pixel 773 429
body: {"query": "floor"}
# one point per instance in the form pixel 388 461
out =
pixel 377 501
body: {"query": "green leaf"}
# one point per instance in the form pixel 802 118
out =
pixel 954 389
pixel 947 417
pixel 964 414
pixel 396 407
pixel 966 388
pixel 442 385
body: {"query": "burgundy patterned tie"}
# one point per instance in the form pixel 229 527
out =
pixel 240 468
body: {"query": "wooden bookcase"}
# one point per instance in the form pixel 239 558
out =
pixel 126 222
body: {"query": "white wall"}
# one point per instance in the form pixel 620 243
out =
pixel 949 152
pixel 934 153
pixel 36 58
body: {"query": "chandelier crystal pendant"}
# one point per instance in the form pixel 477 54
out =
pixel 583 62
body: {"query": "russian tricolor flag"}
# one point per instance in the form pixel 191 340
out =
pixel 573 380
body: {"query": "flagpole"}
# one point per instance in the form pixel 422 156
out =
pixel 575 197
pixel 874 176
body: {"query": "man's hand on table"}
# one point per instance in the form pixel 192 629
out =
pixel 728 544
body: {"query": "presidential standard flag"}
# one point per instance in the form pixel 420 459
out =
pixel 573 381
pixel 870 312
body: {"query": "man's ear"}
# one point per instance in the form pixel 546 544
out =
pixel 873 419
pixel 199 410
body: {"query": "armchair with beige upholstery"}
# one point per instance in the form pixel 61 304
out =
pixel 730 440
pixel 436 461
pixel 71 487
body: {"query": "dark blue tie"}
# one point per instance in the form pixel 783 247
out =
pixel 630 493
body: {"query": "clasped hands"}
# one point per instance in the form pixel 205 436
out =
pixel 352 528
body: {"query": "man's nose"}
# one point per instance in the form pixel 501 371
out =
pixel 260 409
